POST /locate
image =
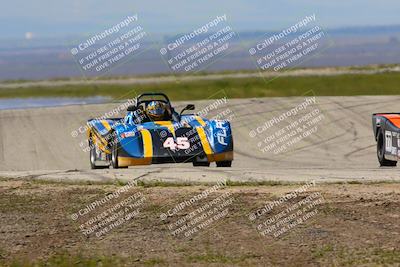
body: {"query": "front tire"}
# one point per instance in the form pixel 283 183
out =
pixel 227 163
pixel 380 151
pixel 93 156
pixel 114 154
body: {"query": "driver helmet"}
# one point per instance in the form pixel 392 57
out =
pixel 156 110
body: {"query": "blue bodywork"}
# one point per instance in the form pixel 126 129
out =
pixel 211 139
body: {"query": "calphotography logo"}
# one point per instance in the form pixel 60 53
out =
pixel 283 132
pixel 103 51
pixel 104 122
pixel 201 212
pixel 112 212
pixel 290 46
pixel 194 51
pixel 282 215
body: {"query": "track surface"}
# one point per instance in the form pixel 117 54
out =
pixel 37 143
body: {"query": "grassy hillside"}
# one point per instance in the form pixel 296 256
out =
pixel 336 85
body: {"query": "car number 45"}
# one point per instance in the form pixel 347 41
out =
pixel 181 143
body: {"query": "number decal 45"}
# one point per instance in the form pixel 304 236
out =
pixel 181 143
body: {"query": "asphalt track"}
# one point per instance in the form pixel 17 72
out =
pixel 37 143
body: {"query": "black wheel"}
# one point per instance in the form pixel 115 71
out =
pixel 201 164
pixel 114 154
pixel 93 156
pixel 380 151
pixel 227 163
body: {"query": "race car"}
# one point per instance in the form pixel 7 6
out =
pixel 153 132
pixel 386 128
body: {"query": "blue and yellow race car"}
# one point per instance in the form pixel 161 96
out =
pixel 153 132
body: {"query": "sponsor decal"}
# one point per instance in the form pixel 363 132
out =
pixel 221 135
pixel 128 134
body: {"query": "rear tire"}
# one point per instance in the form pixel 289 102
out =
pixel 227 163
pixel 380 151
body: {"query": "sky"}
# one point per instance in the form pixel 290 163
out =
pixel 60 18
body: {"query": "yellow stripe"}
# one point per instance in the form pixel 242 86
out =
pixel 127 161
pixel 167 124
pixel 147 143
pixel 200 120
pixel 205 143
pixel 99 143
pixel 88 131
pixel 223 156
pixel 106 125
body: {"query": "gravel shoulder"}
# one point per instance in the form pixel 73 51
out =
pixel 354 225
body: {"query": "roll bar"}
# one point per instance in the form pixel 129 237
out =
pixel 139 101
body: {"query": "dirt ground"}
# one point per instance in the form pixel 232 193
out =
pixel 335 225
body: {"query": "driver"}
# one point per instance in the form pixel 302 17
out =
pixel 158 111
